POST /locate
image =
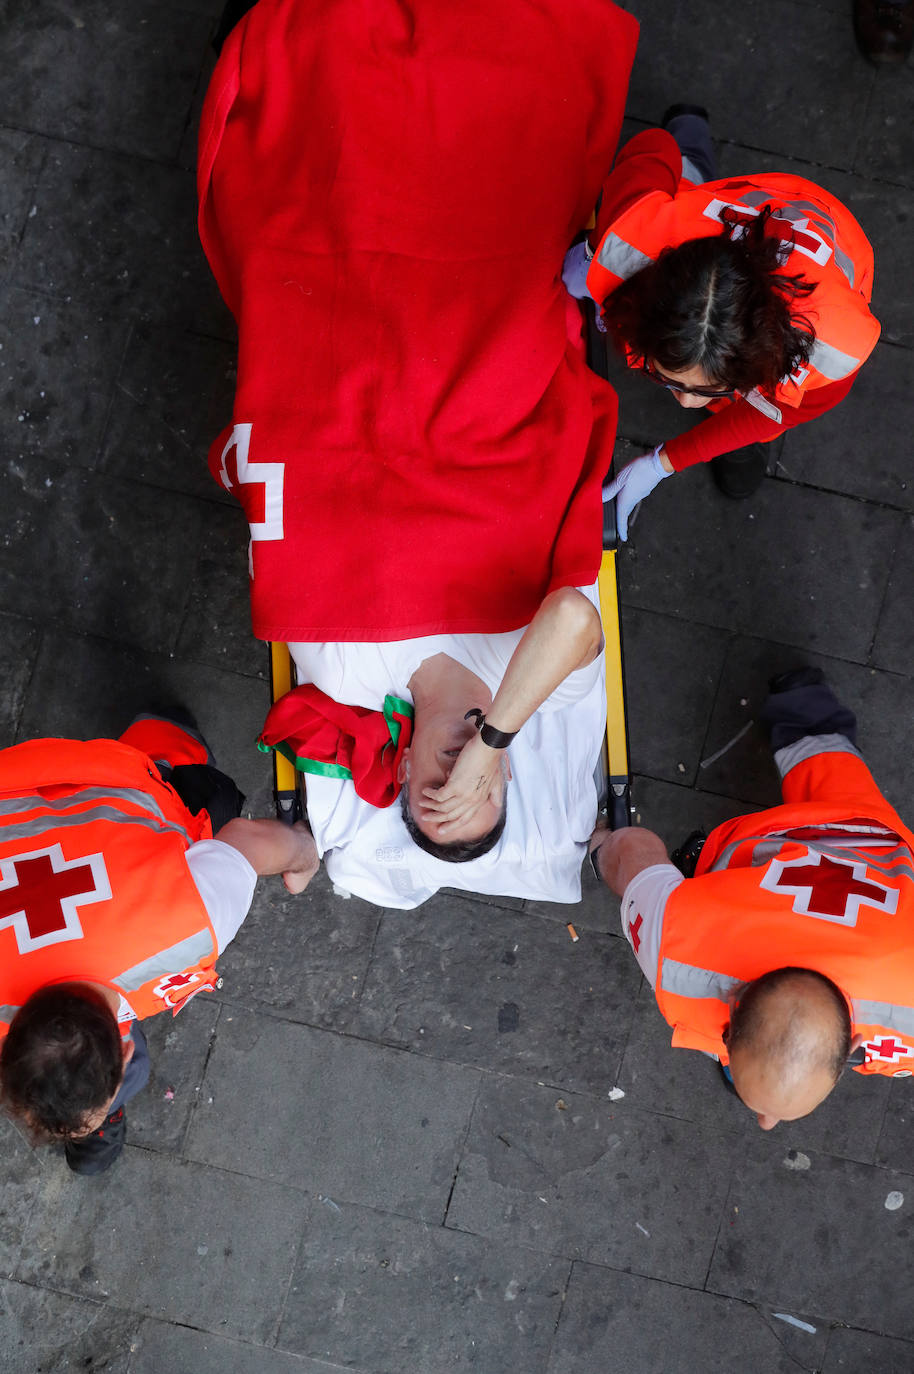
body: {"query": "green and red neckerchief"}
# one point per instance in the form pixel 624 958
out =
pixel 325 737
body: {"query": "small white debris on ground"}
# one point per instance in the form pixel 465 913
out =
pixel 794 1321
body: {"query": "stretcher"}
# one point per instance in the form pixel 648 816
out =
pixel 613 776
pixel 613 771
pixel 614 786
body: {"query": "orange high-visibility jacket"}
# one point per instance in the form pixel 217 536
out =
pixel 94 885
pixel 821 241
pixel 824 882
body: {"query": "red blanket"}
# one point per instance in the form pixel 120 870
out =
pixel 387 189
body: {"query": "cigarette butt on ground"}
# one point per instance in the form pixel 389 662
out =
pixel 571 931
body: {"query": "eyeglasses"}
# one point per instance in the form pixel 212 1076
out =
pixel 708 391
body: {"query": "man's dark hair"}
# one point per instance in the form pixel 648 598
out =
pixel 61 1060
pixel 718 303
pixel 453 851
pixel 748 1021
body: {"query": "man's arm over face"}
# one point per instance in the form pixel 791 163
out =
pixel 565 634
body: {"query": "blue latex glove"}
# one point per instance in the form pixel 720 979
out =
pixel 575 268
pixel 632 485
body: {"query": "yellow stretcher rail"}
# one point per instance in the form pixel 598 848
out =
pixel 617 775
pixel 287 786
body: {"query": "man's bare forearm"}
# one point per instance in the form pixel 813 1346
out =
pixel 565 634
pixel 270 846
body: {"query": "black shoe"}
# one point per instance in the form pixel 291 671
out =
pixel 884 31
pixel 740 473
pixel 676 110
pixel 95 1153
pixel 796 677
pixel 686 856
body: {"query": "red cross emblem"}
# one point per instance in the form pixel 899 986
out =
pixel 174 983
pixel 634 930
pixel 888 1048
pixel 264 508
pixel 828 888
pixel 40 893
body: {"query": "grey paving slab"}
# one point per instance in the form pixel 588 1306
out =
pixel 814 1233
pixel 511 993
pixel 118 234
pixel 180 1241
pixel 896 1142
pixel 885 213
pixel 344 1118
pixel 57 367
pixel 883 703
pixel 785 565
pixel 67 79
pixel 733 61
pixel 383 1294
pixel 621 1321
pixel 678 1083
pixel 861 447
pixel 95 554
pixel 672 667
pixel 43 1332
pixel 600 1181
pixel 216 626
pixel 893 647
pixel 173 396
pixel 20 1175
pixel 302 957
pixel 159 1348
pixel 886 148
pixel 19 644
pixel 87 688
pixel 21 155
pixel 598 909
pixel 864 1352
pixel 158 1117
pixel 674 811
pixel 488 899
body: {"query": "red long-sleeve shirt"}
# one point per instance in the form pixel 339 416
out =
pixel 651 161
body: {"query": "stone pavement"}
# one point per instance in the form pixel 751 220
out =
pixel 390 1143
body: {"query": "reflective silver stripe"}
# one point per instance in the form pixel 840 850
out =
pixel 763 405
pixel 886 1014
pixel 7 1013
pixel 621 258
pixel 685 980
pixel 42 824
pixel 193 950
pixel 808 747
pixel 831 362
pixel 14 805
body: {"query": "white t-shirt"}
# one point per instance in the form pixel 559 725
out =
pixel 225 881
pixel 552 797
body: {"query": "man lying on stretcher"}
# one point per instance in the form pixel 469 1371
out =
pixel 504 809
pixel 417 442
